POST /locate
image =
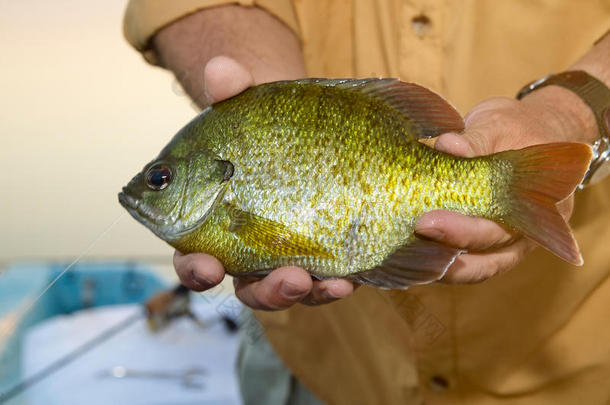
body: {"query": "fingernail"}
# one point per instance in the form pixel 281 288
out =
pixel 327 294
pixel 291 290
pixel 201 280
pixel 432 233
pixel 454 144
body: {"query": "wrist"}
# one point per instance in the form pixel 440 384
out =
pixel 566 114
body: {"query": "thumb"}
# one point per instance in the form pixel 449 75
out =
pixel 479 138
pixel 485 126
pixel 224 77
pixel 491 126
pixel 454 144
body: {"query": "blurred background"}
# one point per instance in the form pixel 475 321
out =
pixel 80 114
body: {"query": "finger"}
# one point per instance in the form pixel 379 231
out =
pixel 326 291
pixel 198 271
pixel 476 267
pixel 224 77
pixel 278 290
pixel 461 231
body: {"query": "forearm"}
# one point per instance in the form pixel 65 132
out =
pixel 572 117
pixel 596 62
pixel 254 38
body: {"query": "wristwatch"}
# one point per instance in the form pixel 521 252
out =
pixel 597 96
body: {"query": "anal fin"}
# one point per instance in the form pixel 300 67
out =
pixel 418 262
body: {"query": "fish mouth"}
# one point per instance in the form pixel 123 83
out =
pixel 127 201
pixel 157 223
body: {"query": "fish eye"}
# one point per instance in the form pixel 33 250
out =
pixel 158 177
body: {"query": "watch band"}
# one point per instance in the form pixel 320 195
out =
pixel 597 96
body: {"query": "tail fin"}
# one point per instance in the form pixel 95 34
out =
pixel 544 175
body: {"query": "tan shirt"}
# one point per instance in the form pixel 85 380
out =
pixel 539 334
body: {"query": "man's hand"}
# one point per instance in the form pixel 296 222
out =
pixel 223 78
pixel 548 115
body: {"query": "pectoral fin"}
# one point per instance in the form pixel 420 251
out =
pixel 419 262
pixel 272 237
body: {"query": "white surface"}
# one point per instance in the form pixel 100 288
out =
pixel 81 114
pixel 182 346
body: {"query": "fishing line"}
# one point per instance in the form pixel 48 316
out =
pixel 28 307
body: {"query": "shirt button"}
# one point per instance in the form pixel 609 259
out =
pixel 421 25
pixel 438 384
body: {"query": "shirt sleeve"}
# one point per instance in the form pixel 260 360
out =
pixel 144 18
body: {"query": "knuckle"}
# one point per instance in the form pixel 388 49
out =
pixel 479 274
pixel 511 259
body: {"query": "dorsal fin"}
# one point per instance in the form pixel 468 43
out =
pixel 431 114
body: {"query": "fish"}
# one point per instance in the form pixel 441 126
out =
pixel 331 175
